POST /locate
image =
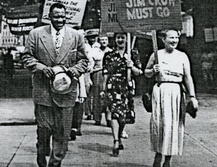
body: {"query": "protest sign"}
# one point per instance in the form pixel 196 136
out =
pixel 146 15
pixel 109 21
pixel 140 15
pixel 74 11
pixel 22 19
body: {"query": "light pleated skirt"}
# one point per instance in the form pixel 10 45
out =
pixel 167 120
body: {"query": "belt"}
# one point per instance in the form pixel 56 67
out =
pixel 161 82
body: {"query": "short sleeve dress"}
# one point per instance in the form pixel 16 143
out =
pixel 118 92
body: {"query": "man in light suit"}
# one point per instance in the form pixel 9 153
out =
pixel 49 46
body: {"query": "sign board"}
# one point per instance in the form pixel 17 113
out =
pixel 149 14
pixel 109 21
pixel 74 11
pixel 22 19
pixel 141 15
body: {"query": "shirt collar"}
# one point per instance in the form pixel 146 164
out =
pixel 54 31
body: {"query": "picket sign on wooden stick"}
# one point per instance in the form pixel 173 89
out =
pixel 155 47
pixel 133 42
pixel 129 55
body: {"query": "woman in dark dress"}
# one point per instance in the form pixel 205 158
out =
pixel 117 87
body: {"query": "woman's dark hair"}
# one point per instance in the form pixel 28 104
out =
pixel 56 5
pixel 122 33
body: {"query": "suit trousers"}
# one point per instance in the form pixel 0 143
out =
pixel 97 107
pixel 52 123
pixel 77 117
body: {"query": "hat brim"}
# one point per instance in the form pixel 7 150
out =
pixel 66 90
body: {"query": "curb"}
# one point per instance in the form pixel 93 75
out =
pixel 18 123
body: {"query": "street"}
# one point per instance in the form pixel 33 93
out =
pixel 94 147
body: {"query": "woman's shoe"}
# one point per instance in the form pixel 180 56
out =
pixel 73 135
pixel 121 146
pixel 124 135
pixel 115 150
pixel 157 160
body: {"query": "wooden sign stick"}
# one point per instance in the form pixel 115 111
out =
pixel 154 43
pixel 133 42
pixel 155 48
pixel 129 55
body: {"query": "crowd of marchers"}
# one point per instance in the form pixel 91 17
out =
pixel 77 72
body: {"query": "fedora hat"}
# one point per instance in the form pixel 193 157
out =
pixel 61 83
pixel 92 32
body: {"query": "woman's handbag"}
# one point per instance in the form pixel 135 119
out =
pixel 130 117
pixel 146 99
pixel 191 110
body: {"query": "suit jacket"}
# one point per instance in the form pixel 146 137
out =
pixel 40 52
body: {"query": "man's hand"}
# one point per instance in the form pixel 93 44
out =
pixel 48 72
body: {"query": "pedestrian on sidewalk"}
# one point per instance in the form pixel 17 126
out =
pixel 91 44
pixel 168 118
pixel 116 87
pixel 55 54
pixel 78 109
pixel 99 105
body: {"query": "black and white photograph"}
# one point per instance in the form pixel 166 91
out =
pixel 108 83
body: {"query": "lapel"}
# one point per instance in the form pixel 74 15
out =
pixel 65 47
pixel 47 41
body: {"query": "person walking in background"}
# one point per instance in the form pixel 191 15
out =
pixel 99 105
pixel 91 44
pixel 8 64
pixel 116 87
pixel 92 35
pixel 55 54
pixel 78 108
pixel 167 119
pixel 8 69
pixel 82 102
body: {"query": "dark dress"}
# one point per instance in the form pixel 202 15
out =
pixel 117 87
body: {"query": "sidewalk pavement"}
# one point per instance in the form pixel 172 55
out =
pixel 93 148
pixel 16 111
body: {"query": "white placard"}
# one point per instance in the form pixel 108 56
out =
pixel 74 11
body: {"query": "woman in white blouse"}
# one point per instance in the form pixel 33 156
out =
pixel 167 119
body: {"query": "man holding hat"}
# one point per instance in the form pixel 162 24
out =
pixel 55 54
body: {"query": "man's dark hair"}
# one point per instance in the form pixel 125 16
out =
pixel 56 5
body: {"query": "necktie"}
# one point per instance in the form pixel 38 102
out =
pixel 58 41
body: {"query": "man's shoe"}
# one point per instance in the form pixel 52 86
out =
pixel 124 135
pixel 47 151
pixel 97 123
pixel 73 135
pixel 108 123
pixel 78 133
pixel 88 117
